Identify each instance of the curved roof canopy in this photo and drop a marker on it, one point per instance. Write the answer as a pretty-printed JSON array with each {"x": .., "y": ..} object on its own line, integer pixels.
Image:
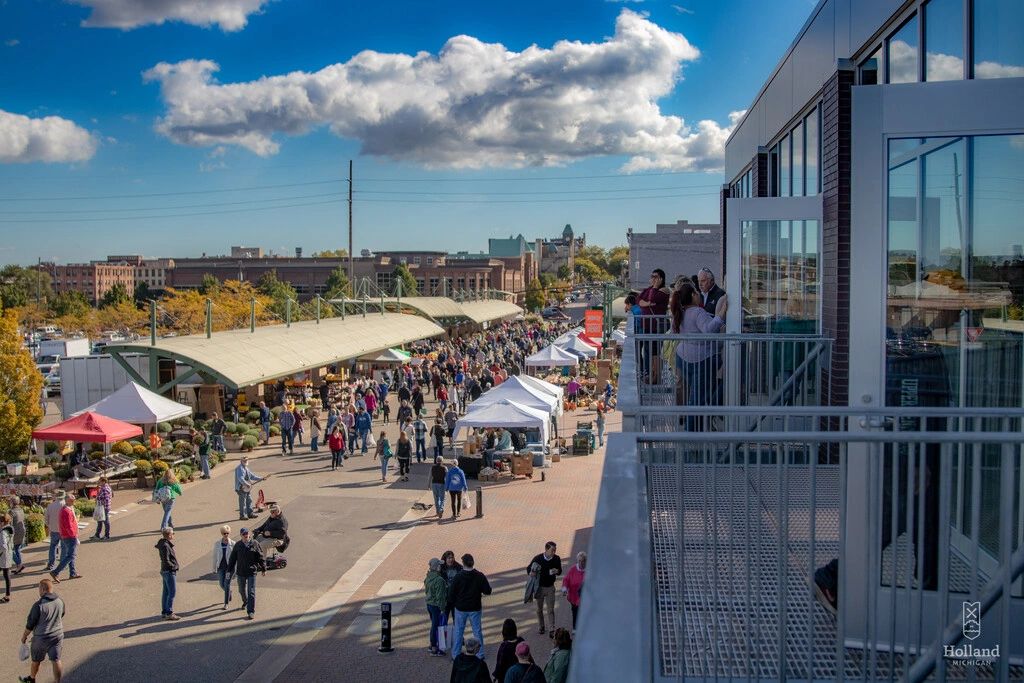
[
  {"x": 489, "y": 309},
  {"x": 431, "y": 306},
  {"x": 240, "y": 358}
]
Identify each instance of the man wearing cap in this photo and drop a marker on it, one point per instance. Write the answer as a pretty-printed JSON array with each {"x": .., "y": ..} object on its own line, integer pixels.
[
  {"x": 524, "y": 670},
  {"x": 53, "y": 526},
  {"x": 244, "y": 479},
  {"x": 465, "y": 597},
  {"x": 273, "y": 533},
  {"x": 247, "y": 559}
]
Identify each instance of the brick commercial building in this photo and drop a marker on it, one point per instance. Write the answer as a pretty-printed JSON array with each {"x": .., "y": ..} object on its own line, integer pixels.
[
  {"x": 677, "y": 248},
  {"x": 93, "y": 279},
  {"x": 887, "y": 146}
]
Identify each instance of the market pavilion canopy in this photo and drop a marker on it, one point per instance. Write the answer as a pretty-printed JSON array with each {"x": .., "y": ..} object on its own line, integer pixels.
[
  {"x": 442, "y": 309},
  {"x": 490, "y": 309},
  {"x": 240, "y": 358}
]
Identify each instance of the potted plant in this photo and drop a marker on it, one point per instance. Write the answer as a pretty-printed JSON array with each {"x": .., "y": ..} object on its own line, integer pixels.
[{"x": 143, "y": 469}]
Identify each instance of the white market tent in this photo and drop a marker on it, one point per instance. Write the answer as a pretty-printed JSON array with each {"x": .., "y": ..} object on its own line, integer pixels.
[
  {"x": 618, "y": 336},
  {"x": 544, "y": 386},
  {"x": 138, "y": 405},
  {"x": 387, "y": 356},
  {"x": 551, "y": 356},
  {"x": 506, "y": 413},
  {"x": 579, "y": 346},
  {"x": 516, "y": 390}
]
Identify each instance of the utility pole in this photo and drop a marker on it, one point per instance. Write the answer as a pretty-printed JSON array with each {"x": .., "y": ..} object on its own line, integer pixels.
[{"x": 351, "y": 268}]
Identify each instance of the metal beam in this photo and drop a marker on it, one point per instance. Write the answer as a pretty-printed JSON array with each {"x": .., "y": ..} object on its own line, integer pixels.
[
  {"x": 132, "y": 372},
  {"x": 176, "y": 381}
]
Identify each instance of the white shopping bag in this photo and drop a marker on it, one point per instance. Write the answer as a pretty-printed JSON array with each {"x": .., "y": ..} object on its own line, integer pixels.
[
  {"x": 442, "y": 638},
  {"x": 466, "y": 503},
  {"x": 23, "y": 652}
]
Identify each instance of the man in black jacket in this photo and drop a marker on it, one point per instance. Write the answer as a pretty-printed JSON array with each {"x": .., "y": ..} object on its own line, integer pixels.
[
  {"x": 273, "y": 533},
  {"x": 247, "y": 559},
  {"x": 169, "y": 574},
  {"x": 465, "y": 596},
  {"x": 546, "y": 567}
]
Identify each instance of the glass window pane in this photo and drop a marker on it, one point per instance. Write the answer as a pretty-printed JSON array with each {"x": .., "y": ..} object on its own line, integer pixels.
[
  {"x": 998, "y": 47},
  {"x": 811, "y": 153},
  {"x": 901, "y": 57},
  {"x": 773, "y": 164},
  {"x": 784, "y": 167},
  {"x": 869, "y": 68},
  {"x": 798, "y": 160},
  {"x": 944, "y": 40},
  {"x": 779, "y": 276}
]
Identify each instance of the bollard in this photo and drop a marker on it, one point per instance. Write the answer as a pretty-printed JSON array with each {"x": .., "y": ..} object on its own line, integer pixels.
[
  {"x": 543, "y": 475},
  {"x": 479, "y": 502},
  {"x": 385, "y": 628}
]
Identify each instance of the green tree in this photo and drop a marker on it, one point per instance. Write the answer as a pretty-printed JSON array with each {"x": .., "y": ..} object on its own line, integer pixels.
[
  {"x": 588, "y": 271},
  {"x": 118, "y": 294},
  {"x": 401, "y": 273},
  {"x": 331, "y": 253},
  {"x": 546, "y": 280},
  {"x": 20, "y": 286},
  {"x": 69, "y": 303},
  {"x": 210, "y": 285},
  {"x": 615, "y": 258},
  {"x": 535, "y": 296},
  {"x": 337, "y": 284},
  {"x": 20, "y": 388},
  {"x": 279, "y": 292},
  {"x": 142, "y": 294},
  {"x": 564, "y": 272}
]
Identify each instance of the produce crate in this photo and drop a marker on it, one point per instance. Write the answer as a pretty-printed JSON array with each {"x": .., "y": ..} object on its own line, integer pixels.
[{"x": 522, "y": 465}]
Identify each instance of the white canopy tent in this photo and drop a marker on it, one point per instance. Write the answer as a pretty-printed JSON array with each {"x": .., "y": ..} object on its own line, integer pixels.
[
  {"x": 579, "y": 346},
  {"x": 138, "y": 405},
  {"x": 550, "y": 357},
  {"x": 547, "y": 387},
  {"x": 515, "y": 389},
  {"x": 505, "y": 413},
  {"x": 618, "y": 336}
]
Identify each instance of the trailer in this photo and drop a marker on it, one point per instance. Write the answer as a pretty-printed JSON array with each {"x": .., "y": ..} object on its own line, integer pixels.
[{"x": 88, "y": 379}]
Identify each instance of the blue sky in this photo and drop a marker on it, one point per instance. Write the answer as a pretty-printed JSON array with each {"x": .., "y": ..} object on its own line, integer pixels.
[{"x": 449, "y": 150}]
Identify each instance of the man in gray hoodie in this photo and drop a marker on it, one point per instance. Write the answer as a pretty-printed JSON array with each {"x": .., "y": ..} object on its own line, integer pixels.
[{"x": 45, "y": 625}]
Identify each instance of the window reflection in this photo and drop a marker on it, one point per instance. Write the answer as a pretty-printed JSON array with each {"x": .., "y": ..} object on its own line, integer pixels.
[
  {"x": 901, "y": 57},
  {"x": 956, "y": 274},
  {"x": 998, "y": 47},
  {"x": 798, "y": 160},
  {"x": 780, "y": 276},
  {"x": 812, "y": 152},
  {"x": 944, "y": 40}
]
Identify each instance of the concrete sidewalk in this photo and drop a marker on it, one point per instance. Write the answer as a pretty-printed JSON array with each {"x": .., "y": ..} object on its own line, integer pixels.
[{"x": 518, "y": 518}]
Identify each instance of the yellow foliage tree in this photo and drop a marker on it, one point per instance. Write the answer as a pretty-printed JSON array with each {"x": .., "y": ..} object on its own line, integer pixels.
[
  {"x": 124, "y": 316},
  {"x": 21, "y": 386}
]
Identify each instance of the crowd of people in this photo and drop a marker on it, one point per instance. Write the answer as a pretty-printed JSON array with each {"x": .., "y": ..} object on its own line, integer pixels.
[
  {"x": 453, "y": 373},
  {"x": 454, "y": 595}
]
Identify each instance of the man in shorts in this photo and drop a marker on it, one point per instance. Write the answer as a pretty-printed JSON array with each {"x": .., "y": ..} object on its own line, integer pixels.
[{"x": 46, "y": 627}]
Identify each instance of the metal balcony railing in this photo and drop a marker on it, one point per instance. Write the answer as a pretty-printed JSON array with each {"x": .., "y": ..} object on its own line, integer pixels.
[{"x": 736, "y": 524}]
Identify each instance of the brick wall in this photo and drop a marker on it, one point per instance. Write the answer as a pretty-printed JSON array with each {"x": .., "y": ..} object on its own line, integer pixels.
[{"x": 835, "y": 246}]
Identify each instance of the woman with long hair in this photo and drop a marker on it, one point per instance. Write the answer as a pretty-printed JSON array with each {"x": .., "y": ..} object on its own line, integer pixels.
[
  {"x": 404, "y": 456},
  {"x": 689, "y": 317},
  {"x": 170, "y": 482}
]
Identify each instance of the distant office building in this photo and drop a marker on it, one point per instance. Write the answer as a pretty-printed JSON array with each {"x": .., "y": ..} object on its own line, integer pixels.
[
  {"x": 679, "y": 248},
  {"x": 93, "y": 279}
]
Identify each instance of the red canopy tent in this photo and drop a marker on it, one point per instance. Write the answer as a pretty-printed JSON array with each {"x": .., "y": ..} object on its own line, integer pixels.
[
  {"x": 587, "y": 340},
  {"x": 89, "y": 427}
]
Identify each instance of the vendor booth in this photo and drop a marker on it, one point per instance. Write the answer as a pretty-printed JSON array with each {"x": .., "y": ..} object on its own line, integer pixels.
[
  {"x": 576, "y": 345},
  {"x": 506, "y": 413},
  {"x": 518, "y": 391},
  {"x": 90, "y": 427},
  {"x": 137, "y": 405},
  {"x": 551, "y": 357}
]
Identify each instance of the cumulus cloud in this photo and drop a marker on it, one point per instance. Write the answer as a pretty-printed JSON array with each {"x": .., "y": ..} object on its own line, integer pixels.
[
  {"x": 472, "y": 105},
  {"x": 230, "y": 15},
  {"x": 48, "y": 139}
]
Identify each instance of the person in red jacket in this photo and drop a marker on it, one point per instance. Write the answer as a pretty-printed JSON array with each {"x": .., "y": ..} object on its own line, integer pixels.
[
  {"x": 336, "y": 442},
  {"x": 68, "y": 540}
]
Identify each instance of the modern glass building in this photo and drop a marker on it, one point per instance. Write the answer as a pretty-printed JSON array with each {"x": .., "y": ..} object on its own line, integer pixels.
[{"x": 862, "y": 415}]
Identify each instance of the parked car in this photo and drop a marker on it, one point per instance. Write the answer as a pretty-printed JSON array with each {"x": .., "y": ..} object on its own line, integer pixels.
[
  {"x": 52, "y": 380},
  {"x": 554, "y": 313}
]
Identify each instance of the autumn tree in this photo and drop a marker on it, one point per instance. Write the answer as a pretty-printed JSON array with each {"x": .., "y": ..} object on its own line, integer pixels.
[
  {"x": 279, "y": 292},
  {"x": 331, "y": 253},
  {"x": 69, "y": 303},
  {"x": 208, "y": 285},
  {"x": 337, "y": 284},
  {"x": 21, "y": 386},
  {"x": 123, "y": 316}
]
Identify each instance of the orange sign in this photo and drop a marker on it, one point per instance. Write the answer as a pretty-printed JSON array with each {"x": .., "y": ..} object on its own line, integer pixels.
[{"x": 593, "y": 323}]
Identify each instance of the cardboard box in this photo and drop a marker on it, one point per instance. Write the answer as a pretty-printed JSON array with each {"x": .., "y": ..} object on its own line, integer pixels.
[{"x": 522, "y": 465}]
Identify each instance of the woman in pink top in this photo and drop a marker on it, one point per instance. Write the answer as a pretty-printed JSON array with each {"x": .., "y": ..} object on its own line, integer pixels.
[{"x": 572, "y": 584}]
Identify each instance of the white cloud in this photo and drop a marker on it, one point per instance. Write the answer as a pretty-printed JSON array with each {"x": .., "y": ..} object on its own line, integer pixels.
[
  {"x": 48, "y": 139},
  {"x": 940, "y": 66},
  {"x": 472, "y": 105},
  {"x": 230, "y": 15},
  {"x": 12, "y": 42},
  {"x": 682, "y": 10}
]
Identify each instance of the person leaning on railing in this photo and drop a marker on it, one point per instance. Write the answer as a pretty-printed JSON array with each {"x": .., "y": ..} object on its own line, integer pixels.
[
  {"x": 697, "y": 357},
  {"x": 652, "y": 301}
]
